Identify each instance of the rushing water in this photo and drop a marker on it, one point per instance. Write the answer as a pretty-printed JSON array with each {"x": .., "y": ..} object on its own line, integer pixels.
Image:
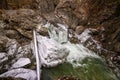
[{"x": 80, "y": 62}]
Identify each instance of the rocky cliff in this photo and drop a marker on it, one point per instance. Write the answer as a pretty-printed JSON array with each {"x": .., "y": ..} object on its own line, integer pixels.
[{"x": 21, "y": 16}]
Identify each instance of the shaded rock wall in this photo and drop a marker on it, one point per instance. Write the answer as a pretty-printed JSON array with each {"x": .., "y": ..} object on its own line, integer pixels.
[
  {"x": 15, "y": 4},
  {"x": 100, "y": 14},
  {"x": 103, "y": 15},
  {"x": 3, "y": 4}
]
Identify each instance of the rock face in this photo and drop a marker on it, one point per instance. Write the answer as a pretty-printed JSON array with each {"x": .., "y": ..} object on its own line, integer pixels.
[
  {"x": 3, "y": 4},
  {"x": 111, "y": 34},
  {"x": 15, "y": 4},
  {"x": 90, "y": 13},
  {"x": 20, "y": 23},
  {"x": 3, "y": 42},
  {"x": 3, "y": 58},
  {"x": 46, "y": 5},
  {"x": 86, "y": 13},
  {"x": 79, "y": 29},
  {"x": 102, "y": 15}
]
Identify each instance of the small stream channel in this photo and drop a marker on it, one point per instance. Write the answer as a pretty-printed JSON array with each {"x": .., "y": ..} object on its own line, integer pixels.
[{"x": 80, "y": 62}]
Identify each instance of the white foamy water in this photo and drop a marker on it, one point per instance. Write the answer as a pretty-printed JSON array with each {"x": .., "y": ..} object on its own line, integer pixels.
[
  {"x": 77, "y": 53},
  {"x": 54, "y": 50}
]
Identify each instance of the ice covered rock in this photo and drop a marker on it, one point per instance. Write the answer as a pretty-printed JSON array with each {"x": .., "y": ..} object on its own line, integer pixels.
[
  {"x": 21, "y": 63},
  {"x": 21, "y": 73}
]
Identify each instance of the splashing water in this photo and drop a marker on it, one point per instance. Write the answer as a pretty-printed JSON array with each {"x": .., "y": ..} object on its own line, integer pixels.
[{"x": 80, "y": 62}]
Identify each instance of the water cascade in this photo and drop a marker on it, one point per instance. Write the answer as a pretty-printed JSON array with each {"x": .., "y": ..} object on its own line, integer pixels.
[{"x": 74, "y": 59}]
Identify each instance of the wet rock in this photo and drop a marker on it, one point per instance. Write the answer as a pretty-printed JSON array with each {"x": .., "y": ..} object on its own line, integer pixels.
[
  {"x": 85, "y": 12},
  {"x": 84, "y": 36},
  {"x": 43, "y": 31},
  {"x": 2, "y": 24},
  {"x": 21, "y": 20},
  {"x": 24, "y": 51},
  {"x": 94, "y": 31},
  {"x": 12, "y": 46},
  {"x": 15, "y": 56},
  {"x": 3, "y": 57},
  {"x": 46, "y": 6},
  {"x": 117, "y": 47},
  {"x": 112, "y": 59},
  {"x": 74, "y": 40},
  {"x": 3, "y": 42},
  {"x": 115, "y": 59},
  {"x": 22, "y": 62},
  {"x": 79, "y": 29},
  {"x": 111, "y": 35},
  {"x": 3, "y": 4},
  {"x": 20, "y": 4},
  {"x": 20, "y": 73},
  {"x": 12, "y": 34},
  {"x": 65, "y": 11}
]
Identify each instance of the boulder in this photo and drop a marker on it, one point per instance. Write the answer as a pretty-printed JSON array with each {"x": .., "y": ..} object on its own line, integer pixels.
[
  {"x": 79, "y": 29},
  {"x": 12, "y": 46},
  {"x": 3, "y": 58},
  {"x": 51, "y": 52},
  {"x": 3, "y": 4},
  {"x": 43, "y": 31},
  {"x": 12, "y": 34},
  {"x": 21, "y": 20},
  {"x": 22, "y": 62},
  {"x": 3, "y": 42}
]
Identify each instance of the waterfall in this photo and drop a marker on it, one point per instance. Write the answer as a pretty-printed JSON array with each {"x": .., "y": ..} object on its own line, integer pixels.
[{"x": 56, "y": 49}]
